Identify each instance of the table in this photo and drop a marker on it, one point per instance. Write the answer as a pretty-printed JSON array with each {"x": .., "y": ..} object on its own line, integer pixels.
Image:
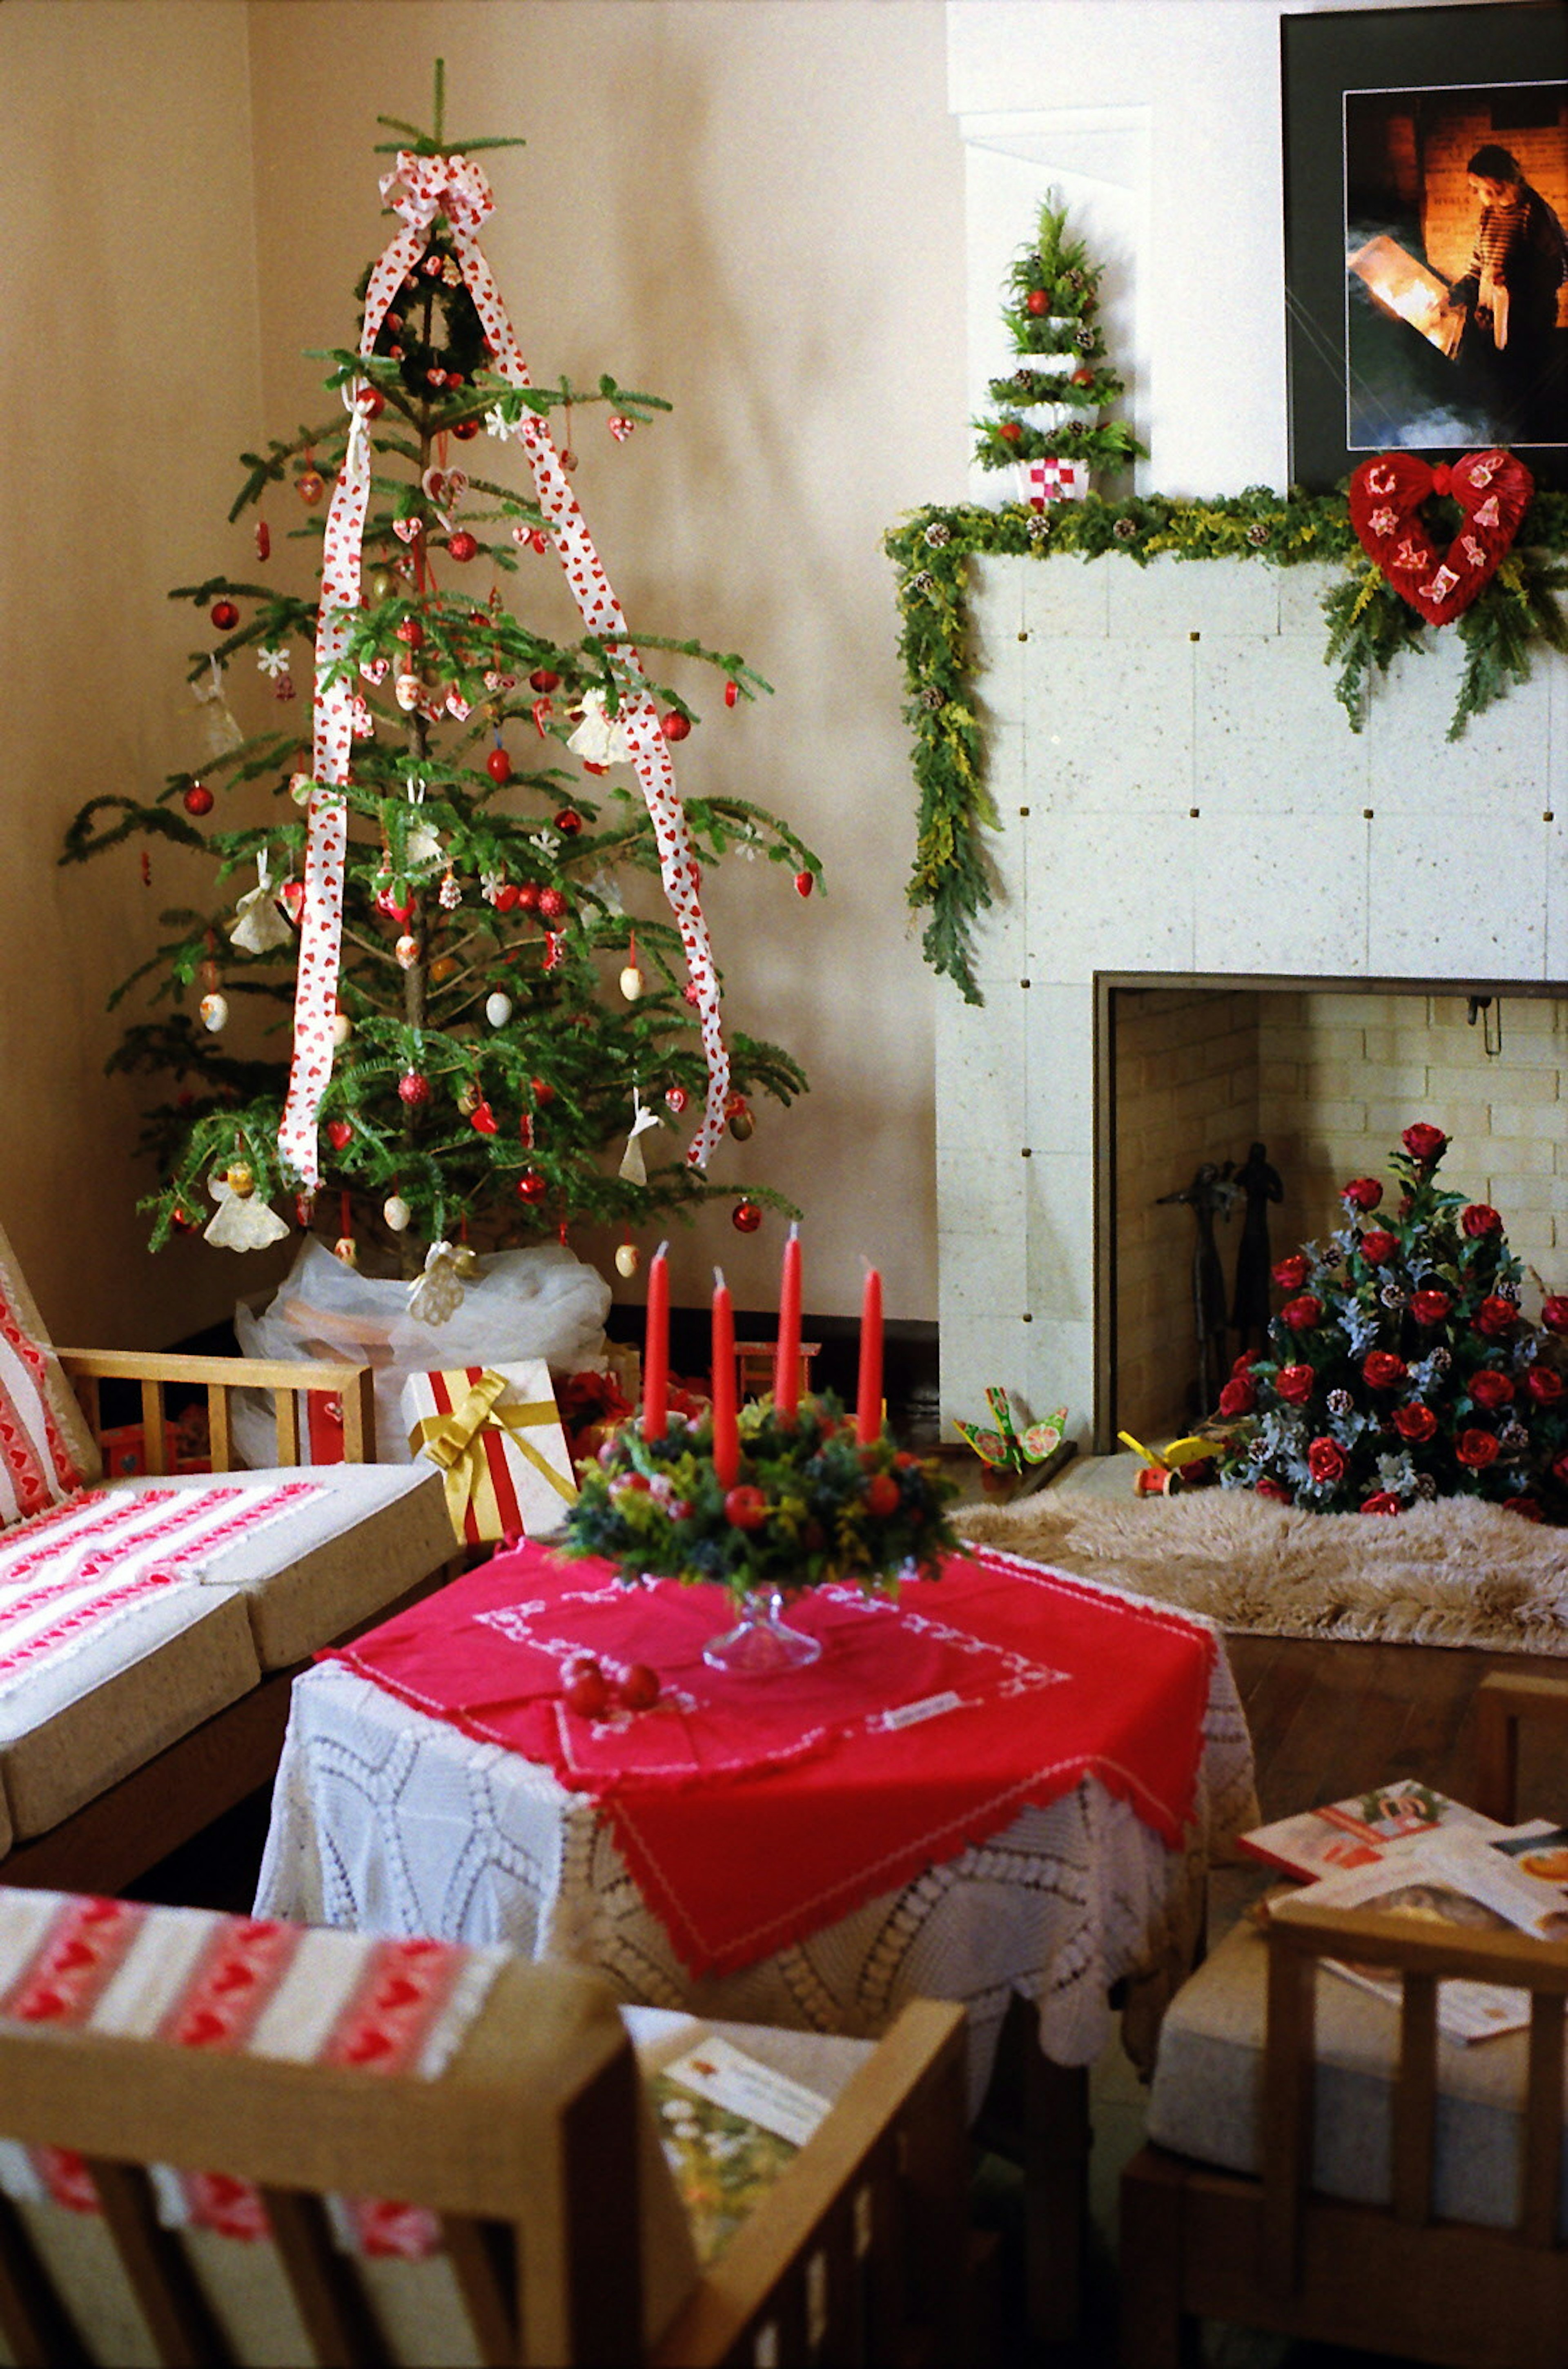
[{"x": 387, "y": 1820}]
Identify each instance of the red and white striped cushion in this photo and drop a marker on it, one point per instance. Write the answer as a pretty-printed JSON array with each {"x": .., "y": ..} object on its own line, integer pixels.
[{"x": 45, "y": 1451}]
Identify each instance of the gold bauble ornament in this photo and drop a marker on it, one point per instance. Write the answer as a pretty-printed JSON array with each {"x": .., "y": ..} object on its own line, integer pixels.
[{"x": 628, "y": 1258}]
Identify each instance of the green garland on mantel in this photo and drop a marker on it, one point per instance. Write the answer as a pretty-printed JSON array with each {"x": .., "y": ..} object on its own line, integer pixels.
[{"x": 1367, "y": 625}]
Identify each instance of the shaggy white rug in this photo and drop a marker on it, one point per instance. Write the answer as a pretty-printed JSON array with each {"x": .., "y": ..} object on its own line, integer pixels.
[{"x": 1456, "y": 1572}]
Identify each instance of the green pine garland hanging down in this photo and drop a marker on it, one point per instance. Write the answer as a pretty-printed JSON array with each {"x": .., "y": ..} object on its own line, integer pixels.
[{"x": 1368, "y": 623}]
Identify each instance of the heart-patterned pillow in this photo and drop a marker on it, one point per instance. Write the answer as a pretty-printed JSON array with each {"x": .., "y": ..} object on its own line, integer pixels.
[{"x": 1492, "y": 488}]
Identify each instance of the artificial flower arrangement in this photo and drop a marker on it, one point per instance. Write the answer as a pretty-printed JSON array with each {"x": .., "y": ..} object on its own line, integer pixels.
[
  {"x": 810, "y": 1503},
  {"x": 1401, "y": 1367}
]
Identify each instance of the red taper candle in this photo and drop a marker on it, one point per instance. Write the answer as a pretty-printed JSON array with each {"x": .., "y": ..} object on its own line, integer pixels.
[
  {"x": 786, "y": 1359},
  {"x": 726, "y": 1432},
  {"x": 656, "y": 1349},
  {"x": 868, "y": 1405}
]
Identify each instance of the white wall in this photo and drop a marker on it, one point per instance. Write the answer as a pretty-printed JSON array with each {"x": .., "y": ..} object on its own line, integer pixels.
[{"x": 1158, "y": 121}]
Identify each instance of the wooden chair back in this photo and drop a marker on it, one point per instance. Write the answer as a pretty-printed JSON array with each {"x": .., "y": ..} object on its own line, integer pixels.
[
  {"x": 353, "y": 1386},
  {"x": 527, "y": 2148},
  {"x": 1418, "y": 1955}
]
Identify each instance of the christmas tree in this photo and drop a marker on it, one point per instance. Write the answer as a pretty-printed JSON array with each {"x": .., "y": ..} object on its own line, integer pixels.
[
  {"x": 1052, "y": 406},
  {"x": 1402, "y": 1366},
  {"x": 438, "y": 985}
]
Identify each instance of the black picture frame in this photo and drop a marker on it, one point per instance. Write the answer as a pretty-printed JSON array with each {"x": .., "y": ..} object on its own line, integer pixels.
[{"x": 1364, "y": 95}]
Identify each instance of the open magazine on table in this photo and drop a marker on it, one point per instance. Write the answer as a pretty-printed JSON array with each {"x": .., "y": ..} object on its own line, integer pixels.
[
  {"x": 1506, "y": 1878},
  {"x": 1362, "y": 1830}
]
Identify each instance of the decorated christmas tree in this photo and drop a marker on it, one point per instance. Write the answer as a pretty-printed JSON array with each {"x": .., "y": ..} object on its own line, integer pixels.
[
  {"x": 1402, "y": 1366},
  {"x": 1052, "y": 406},
  {"x": 439, "y": 1009}
]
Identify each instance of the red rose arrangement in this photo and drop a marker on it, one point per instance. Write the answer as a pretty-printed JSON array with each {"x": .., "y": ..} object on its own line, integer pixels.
[{"x": 1400, "y": 1366}]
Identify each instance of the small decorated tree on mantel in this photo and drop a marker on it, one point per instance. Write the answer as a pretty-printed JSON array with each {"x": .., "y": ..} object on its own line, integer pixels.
[
  {"x": 470, "y": 1031},
  {"x": 1051, "y": 422},
  {"x": 1402, "y": 1366}
]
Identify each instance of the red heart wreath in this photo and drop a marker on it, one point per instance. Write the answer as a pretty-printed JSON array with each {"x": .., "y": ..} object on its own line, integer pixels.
[{"x": 1492, "y": 488}]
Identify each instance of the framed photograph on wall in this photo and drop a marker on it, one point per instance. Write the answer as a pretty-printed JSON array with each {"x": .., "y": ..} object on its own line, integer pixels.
[{"x": 1425, "y": 257}]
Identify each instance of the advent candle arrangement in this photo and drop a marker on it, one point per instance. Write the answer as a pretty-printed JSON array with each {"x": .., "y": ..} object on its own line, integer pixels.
[{"x": 767, "y": 1498}]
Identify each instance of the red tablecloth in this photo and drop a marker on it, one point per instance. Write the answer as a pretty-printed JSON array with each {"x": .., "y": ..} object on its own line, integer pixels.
[{"x": 752, "y": 1811}]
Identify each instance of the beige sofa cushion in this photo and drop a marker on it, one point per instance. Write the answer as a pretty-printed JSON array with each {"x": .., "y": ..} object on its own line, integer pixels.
[
  {"x": 343, "y": 1556},
  {"x": 79, "y": 1723},
  {"x": 1206, "y": 2098}
]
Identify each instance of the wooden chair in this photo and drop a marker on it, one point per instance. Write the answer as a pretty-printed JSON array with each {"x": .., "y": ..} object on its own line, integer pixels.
[
  {"x": 1325, "y": 2167},
  {"x": 555, "y": 2214}
]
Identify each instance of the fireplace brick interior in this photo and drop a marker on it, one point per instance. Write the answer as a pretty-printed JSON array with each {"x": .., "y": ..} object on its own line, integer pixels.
[{"x": 1328, "y": 1082}]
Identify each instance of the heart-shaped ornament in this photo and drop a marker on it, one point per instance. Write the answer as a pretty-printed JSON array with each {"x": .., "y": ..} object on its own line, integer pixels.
[{"x": 1492, "y": 488}]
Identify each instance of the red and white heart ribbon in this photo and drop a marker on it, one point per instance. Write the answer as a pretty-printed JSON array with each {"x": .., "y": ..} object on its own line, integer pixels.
[{"x": 420, "y": 188}]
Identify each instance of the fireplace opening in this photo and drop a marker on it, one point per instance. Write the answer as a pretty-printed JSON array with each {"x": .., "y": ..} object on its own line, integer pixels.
[{"x": 1192, "y": 1073}]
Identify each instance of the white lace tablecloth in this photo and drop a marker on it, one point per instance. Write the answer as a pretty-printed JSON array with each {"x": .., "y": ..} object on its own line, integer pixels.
[{"x": 386, "y": 1821}]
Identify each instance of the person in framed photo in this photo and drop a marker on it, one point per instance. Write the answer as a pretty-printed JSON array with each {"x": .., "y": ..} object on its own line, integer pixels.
[{"x": 1508, "y": 299}]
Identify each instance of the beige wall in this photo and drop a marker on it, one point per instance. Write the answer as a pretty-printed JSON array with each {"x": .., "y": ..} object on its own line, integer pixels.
[
  {"x": 128, "y": 351},
  {"x": 753, "y": 209}
]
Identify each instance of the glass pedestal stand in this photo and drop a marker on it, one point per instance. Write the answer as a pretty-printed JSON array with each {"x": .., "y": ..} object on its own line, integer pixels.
[{"x": 761, "y": 1640}]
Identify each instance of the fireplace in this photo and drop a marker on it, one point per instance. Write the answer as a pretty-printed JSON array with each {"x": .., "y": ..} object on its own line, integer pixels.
[
  {"x": 1202, "y": 872},
  {"x": 1326, "y": 1075}
]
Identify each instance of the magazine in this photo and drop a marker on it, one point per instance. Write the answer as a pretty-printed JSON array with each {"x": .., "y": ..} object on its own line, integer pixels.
[
  {"x": 1362, "y": 1831},
  {"x": 1455, "y": 1876},
  {"x": 729, "y": 2125}
]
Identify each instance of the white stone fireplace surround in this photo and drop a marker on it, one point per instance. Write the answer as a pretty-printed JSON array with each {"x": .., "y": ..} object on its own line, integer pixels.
[{"x": 1182, "y": 799}]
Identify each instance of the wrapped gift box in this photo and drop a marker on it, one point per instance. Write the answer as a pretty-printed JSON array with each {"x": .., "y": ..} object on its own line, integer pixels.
[{"x": 495, "y": 1432}]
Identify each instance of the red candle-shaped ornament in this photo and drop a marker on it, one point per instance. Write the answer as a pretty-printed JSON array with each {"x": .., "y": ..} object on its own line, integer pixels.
[
  {"x": 786, "y": 1358},
  {"x": 656, "y": 1349},
  {"x": 726, "y": 1433},
  {"x": 868, "y": 1405}
]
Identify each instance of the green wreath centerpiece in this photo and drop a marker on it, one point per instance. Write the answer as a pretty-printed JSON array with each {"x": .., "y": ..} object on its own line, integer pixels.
[{"x": 811, "y": 1505}]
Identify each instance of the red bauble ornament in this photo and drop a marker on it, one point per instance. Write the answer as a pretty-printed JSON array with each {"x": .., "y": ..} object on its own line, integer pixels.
[
  {"x": 462, "y": 545},
  {"x": 482, "y": 1119},
  {"x": 639, "y": 1688},
  {"x": 528, "y": 895},
  {"x": 198, "y": 799},
  {"x": 745, "y": 1508},
  {"x": 675, "y": 727},
  {"x": 746, "y": 1217},
  {"x": 1037, "y": 301},
  {"x": 588, "y": 1691},
  {"x": 568, "y": 821},
  {"x": 731, "y": 694},
  {"x": 498, "y": 764},
  {"x": 413, "y": 1088},
  {"x": 804, "y": 884},
  {"x": 676, "y": 1099},
  {"x": 393, "y": 907},
  {"x": 370, "y": 402},
  {"x": 310, "y": 486},
  {"x": 544, "y": 678},
  {"x": 1084, "y": 376},
  {"x": 507, "y": 897},
  {"x": 552, "y": 904},
  {"x": 225, "y": 616},
  {"x": 689, "y": 994},
  {"x": 1010, "y": 431},
  {"x": 409, "y": 631},
  {"x": 532, "y": 1186},
  {"x": 463, "y": 428}
]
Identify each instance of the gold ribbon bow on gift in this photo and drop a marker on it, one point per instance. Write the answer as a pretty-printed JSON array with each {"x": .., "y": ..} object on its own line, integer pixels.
[{"x": 456, "y": 1443}]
